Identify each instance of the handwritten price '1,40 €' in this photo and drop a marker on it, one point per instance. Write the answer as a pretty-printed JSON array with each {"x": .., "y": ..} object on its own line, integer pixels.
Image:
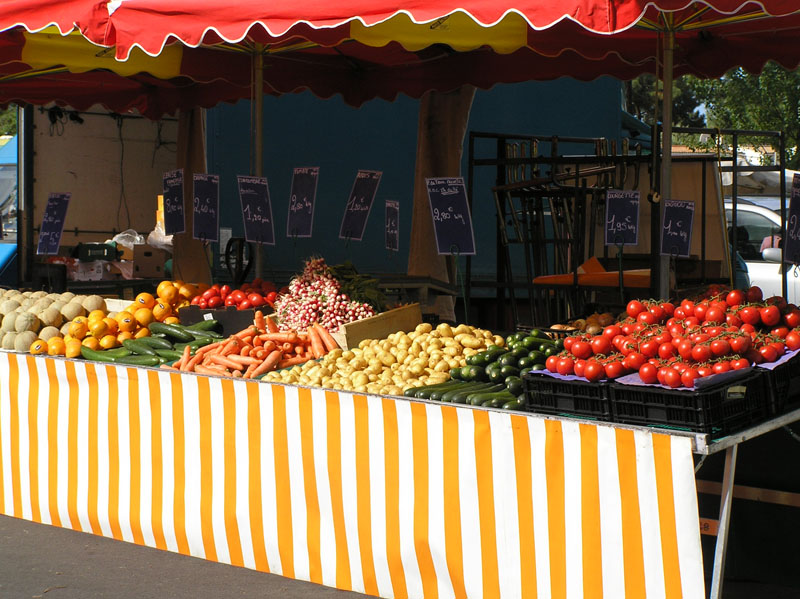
[
  {"x": 677, "y": 231},
  {"x": 446, "y": 215}
]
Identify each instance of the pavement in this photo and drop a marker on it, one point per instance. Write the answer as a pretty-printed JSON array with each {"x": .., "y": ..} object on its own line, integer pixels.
[{"x": 38, "y": 561}]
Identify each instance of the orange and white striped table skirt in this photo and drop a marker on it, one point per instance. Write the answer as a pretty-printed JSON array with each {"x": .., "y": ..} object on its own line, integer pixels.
[{"x": 388, "y": 497}]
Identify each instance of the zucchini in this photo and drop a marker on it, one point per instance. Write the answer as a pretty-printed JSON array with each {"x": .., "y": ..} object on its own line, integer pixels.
[
  {"x": 203, "y": 325},
  {"x": 496, "y": 400},
  {"x": 485, "y": 388},
  {"x": 156, "y": 342},
  {"x": 171, "y": 330},
  {"x": 96, "y": 356},
  {"x": 481, "y": 399},
  {"x": 517, "y": 404},
  {"x": 425, "y": 392},
  {"x": 170, "y": 354},
  {"x": 140, "y": 349},
  {"x": 203, "y": 334},
  {"x": 473, "y": 386},
  {"x": 436, "y": 394},
  {"x": 135, "y": 360}
]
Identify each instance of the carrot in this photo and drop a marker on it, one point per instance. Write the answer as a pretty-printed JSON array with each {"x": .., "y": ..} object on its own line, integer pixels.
[
  {"x": 259, "y": 321},
  {"x": 167, "y": 367},
  {"x": 268, "y": 364},
  {"x": 263, "y": 353},
  {"x": 248, "y": 332},
  {"x": 245, "y": 351},
  {"x": 200, "y": 369},
  {"x": 299, "y": 350},
  {"x": 258, "y": 341},
  {"x": 293, "y": 361},
  {"x": 225, "y": 361},
  {"x": 327, "y": 338},
  {"x": 270, "y": 346},
  {"x": 271, "y": 326},
  {"x": 187, "y": 351},
  {"x": 317, "y": 347},
  {"x": 289, "y": 337},
  {"x": 245, "y": 360},
  {"x": 249, "y": 371},
  {"x": 231, "y": 346},
  {"x": 237, "y": 374}
]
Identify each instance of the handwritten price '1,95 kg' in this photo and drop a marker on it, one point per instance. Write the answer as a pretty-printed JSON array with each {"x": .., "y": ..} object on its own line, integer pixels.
[
  {"x": 449, "y": 214},
  {"x": 620, "y": 226}
]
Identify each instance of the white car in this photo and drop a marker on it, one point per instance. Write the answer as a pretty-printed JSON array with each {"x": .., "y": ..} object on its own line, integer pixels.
[{"x": 755, "y": 224}]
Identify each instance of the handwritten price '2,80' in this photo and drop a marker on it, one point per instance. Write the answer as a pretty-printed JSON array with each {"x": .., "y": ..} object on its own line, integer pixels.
[
  {"x": 445, "y": 215},
  {"x": 302, "y": 205},
  {"x": 677, "y": 231}
]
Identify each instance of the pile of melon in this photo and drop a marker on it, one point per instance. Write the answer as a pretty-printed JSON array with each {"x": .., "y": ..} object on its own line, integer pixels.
[{"x": 28, "y": 316}]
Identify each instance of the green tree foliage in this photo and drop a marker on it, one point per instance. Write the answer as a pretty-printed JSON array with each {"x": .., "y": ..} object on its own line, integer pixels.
[
  {"x": 769, "y": 101},
  {"x": 642, "y": 101},
  {"x": 8, "y": 121}
]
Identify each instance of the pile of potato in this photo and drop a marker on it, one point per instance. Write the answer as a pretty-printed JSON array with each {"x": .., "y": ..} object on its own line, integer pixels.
[{"x": 390, "y": 366}]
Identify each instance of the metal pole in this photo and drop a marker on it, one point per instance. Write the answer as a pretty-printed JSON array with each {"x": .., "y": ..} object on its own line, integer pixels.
[
  {"x": 726, "y": 502},
  {"x": 258, "y": 140},
  {"x": 666, "y": 162}
]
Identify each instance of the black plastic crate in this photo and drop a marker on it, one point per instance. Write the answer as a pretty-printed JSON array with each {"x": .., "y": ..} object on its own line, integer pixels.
[
  {"x": 784, "y": 386},
  {"x": 720, "y": 409},
  {"x": 549, "y": 395}
]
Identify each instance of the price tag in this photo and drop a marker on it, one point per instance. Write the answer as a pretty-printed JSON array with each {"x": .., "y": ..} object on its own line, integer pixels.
[
  {"x": 791, "y": 249},
  {"x": 359, "y": 205},
  {"x": 205, "y": 207},
  {"x": 622, "y": 217},
  {"x": 256, "y": 210},
  {"x": 452, "y": 222},
  {"x": 676, "y": 231},
  {"x": 392, "y": 228},
  {"x": 174, "y": 216},
  {"x": 55, "y": 213},
  {"x": 301, "y": 202}
]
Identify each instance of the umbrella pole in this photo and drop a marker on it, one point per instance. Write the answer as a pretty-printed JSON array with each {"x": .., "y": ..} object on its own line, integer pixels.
[
  {"x": 666, "y": 145},
  {"x": 258, "y": 138}
]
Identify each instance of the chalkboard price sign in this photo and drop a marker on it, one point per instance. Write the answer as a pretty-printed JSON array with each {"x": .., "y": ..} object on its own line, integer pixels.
[
  {"x": 622, "y": 217},
  {"x": 392, "y": 228},
  {"x": 205, "y": 207},
  {"x": 452, "y": 222},
  {"x": 359, "y": 205},
  {"x": 300, "y": 221},
  {"x": 174, "y": 216},
  {"x": 791, "y": 250},
  {"x": 256, "y": 210},
  {"x": 55, "y": 213},
  {"x": 676, "y": 230}
]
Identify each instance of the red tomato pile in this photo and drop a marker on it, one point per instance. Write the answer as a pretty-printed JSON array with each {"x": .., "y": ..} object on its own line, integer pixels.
[
  {"x": 249, "y": 295},
  {"x": 675, "y": 344}
]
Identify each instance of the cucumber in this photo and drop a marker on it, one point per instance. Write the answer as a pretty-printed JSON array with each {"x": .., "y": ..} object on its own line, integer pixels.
[
  {"x": 496, "y": 400},
  {"x": 97, "y": 356},
  {"x": 170, "y": 354},
  {"x": 516, "y": 404},
  {"x": 514, "y": 385},
  {"x": 437, "y": 393},
  {"x": 425, "y": 391},
  {"x": 171, "y": 330},
  {"x": 455, "y": 373},
  {"x": 117, "y": 352},
  {"x": 467, "y": 398},
  {"x": 461, "y": 396},
  {"x": 135, "y": 347},
  {"x": 481, "y": 399},
  {"x": 203, "y": 334},
  {"x": 473, "y": 386},
  {"x": 156, "y": 342},
  {"x": 203, "y": 325},
  {"x": 135, "y": 360}
]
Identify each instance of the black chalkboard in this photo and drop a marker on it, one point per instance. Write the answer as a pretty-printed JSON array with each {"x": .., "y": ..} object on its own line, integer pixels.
[
  {"x": 676, "y": 229},
  {"x": 622, "y": 217},
  {"x": 359, "y": 205},
  {"x": 791, "y": 250},
  {"x": 301, "y": 202},
  {"x": 205, "y": 207},
  {"x": 256, "y": 209},
  {"x": 452, "y": 223},
  {"x": 174, "y": 216},
  {"x": 55, "y": 213},
  {"x": 392, "y": 225}
]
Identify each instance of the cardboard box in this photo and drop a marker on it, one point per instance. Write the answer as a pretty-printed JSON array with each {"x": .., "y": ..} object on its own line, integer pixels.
[
  {"x": 380, "y": 326},
  {"x": 96, "y": 270},
  {"x": 148, "y": 262},
  {"x": 88, "y": 252}
]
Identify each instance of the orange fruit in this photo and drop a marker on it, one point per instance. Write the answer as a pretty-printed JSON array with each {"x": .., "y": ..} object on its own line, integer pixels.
[
  {"x": 145, "y": 300},
  {"x": 68, "y": 337},
  {"x": 187, "y": 291},
  {"x": 123, "y": 336},
  {"x": 38, "y": 347},
  {"x": 98, "y": 328},
  {"x": 178, "y": 282},
  {"x": 96, "y": 315},
  {"x": 144, "y": 316},
  {"x": 123, "y": 314},
  {"x": 78, "y": 328},
  {"x": 171, "y": 320},
  {"x": 201, "y": 287},
  {"x": 168, "y": 295},
  {"x": 163, "y": 285},
  {"x": 108, "y": 342},
  {"x": 73, "y": 348},
  {"x": 127, "y": 324},
  {"x": 56, "y": 346},
  {"x": 91, "y": 343},
  {"x": 161, "y": 311},
  {"x": 113, "y": 325},
  {"x": 80, "y": 319},
  {"x": 143, "y": 332}
]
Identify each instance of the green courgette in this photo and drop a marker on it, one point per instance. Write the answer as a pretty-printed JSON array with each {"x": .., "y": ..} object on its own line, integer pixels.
[
  {"x": 171, "y": 330},
  {"x": 136, "y": 347},
  {"x": 136, "y": 360},
  {"x": 156, "y": 342},
  {"x": 203, "y": 325}
]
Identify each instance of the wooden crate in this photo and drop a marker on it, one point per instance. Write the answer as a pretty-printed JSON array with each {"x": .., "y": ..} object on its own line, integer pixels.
[{"x": 380, "y": 326}]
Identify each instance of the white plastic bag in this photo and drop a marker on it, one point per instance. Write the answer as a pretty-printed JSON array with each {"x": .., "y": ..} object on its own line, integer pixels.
[
  {"x": 128, "y": 238},
  {"x": 159, "y": 239}
]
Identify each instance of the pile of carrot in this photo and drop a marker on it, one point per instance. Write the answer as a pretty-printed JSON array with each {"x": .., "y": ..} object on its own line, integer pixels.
[{"x": 257, "y": 350}]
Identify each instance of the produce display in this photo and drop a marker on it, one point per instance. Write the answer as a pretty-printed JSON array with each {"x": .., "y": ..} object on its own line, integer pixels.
[
  {"x": 674, "y": 344},
  {"x": 249, "y": 295}
]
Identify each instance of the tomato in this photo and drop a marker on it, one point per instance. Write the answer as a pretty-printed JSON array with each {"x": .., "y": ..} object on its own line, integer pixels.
[
  {"x": 691, "y": 321},
  {"x": 601, "y": 345},
  {"x": 700, "y": 311},
  {"x": 750, "y": 315},
  {"x": 195, "y": 300},
  {"x": 612, "y": 331},
  {"x": 668, "y": 307},
  {"x": 793, "y": 341},
  {"x": 754, "y": 356},
  {"x": 565, "y": 366},
  {"x": 666, "y": 351},
  {"x": 704, "y": 370},
  {"x": 551, "y": 363},
  {"x": 720, "y": 347},
  {"x": 657, "y": 311},
  {"x": 732, "y": 320},
  {"x": 792, "y": 318},
  {"x": 715, "y": 315},
  {"x": 679, "y": 313},
  {"x": 689, "y": 376},
  {"x": 770, "y": 315},
  {"x": 685, "y": 349},
  {"x": 701, "y": 353},
  {"x": 202, "y": 304},
  {"x": 777, "y": 301},
  {"x": 647, "y": 372},
  {"x": 754, "y": 294},
  {"x": 238, "y": 296},
  {"x": 614, "y": 369},
  {"x": 634, "y": 308},
  {"x": 740, "y": 363},
  {"x": 680, "y": 366},
  {"x": 687, "y": 306},
  {"x": 271, "y": 297},
  {"x": 580, "y": 366},
  {"x": 634, "y": 361},
  {"x": 581, "y": 350},
  {"x": 713, "y": 331},
  {"x": 225, "y": 290},
  {"x": 740, "y": 345},
  {"x": 215, "y": 286},
  {"x": 735, "y": 297},
  {"x": 672, "y": 378},
  {"x": 594, "y": 370},
  {"x": 214, "y": 302},
  {"x": 569, "y": 341},
  {"x": 768, "y": 353},
  {"x": 646, "y": 317},
  {"x": 649, "y": 348},
  {"x": 699, "y": 337},
  {"x": 747, "y": 328},
  {"x": 779, "y": 332},
  {"x": 676, "y": 330},
  {"x": 229, "y": 301},
  {"x": 721, "y": 367},
  {"x": 720, "y": 305},
  {"x": 255, "y": 299},
  {"x": 245, "y": 305},
  {"x": 779, "y": 347},
  {"x": 209, "y": 293},
  {"x": 627, "y": 328}
]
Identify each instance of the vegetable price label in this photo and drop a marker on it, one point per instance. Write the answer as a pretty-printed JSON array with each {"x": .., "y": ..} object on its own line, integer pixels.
[
  {"x": 359, "y": 205},
  {"x": 676, "y": 230},
  {"x": 622, "y": 217},
  {"x": 301, "y": 202},
  {"x": 55, "y": 213},
  {"x": 452, "y": 222},
  {"x": 256, "y": 210},
  {"x": 392, "y": 228},
  {"x": 174, "y": 217},
  {"x": 205, "y": 207},
  {"x": 791, "y": 250}
]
